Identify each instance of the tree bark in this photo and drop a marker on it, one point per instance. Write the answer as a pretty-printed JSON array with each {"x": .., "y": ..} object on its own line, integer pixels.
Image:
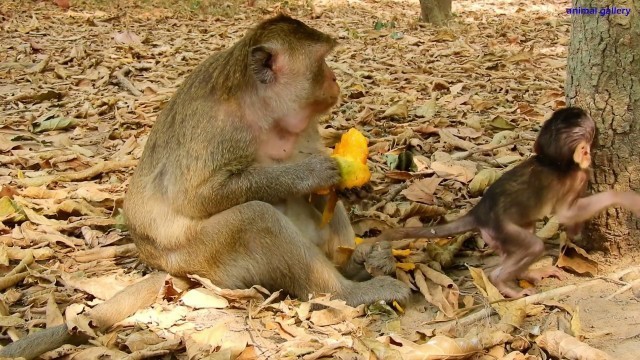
[
  {"x": 603, "y": 77},
  {"x": 436, "y": 12}
]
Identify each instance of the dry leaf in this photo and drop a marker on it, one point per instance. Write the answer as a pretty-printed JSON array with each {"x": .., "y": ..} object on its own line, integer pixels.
[
  {"x": 398, "y": 110},
  {"x": 511, "y": 313},
  {"x": 101, "y": 287},
  {"x": 422, "y": 190},
  {"x": 63, "y": 3},
  {"x": 53, "y": 314},
  {"x": 127, "y": 37},
  {"x": 462, "y": 171},
  {"x": 428, "y": 110},
  {"x": 482, "y": 180},
  {"x": 576, "y": 259},
  {"x": 204, "y": 298},
  {"x": 561, "y": 345},
  {"x": 438, "y": 347}
]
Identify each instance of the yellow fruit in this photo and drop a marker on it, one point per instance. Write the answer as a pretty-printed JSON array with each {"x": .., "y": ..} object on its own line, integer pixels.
[
  {"x": 351, "y": 153},
  {"x": 352, "y": 145},
  {"x": 353, "y": 173}
]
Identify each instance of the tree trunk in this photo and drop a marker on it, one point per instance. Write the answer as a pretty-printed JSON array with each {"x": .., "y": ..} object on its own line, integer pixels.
[
  {"x": 436, "y": 12},
  {"x": 603, "y": 77}
]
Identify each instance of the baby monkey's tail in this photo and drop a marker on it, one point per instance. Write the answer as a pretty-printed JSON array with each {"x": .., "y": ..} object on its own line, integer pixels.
[{"x": 463, "y": 224}]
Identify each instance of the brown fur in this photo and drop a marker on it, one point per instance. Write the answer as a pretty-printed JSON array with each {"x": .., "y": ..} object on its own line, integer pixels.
[
  {"x": 222, "y": 187},
  {"x": 553, "y": 181}
]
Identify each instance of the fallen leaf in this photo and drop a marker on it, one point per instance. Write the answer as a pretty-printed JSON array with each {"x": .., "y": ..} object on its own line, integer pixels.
[
  {"x": 59, "y": 123},
  {"x": 576, "y": 259},
  {"x": 64, "y": 4},
  {"x": 127, "y": 37},
  {"x": 422, "y": 190},
  {"x": 462, "y": 171},
  {"x": 500, "y": 123},
  {"x": 398, "y": 110},
  {"x": 561, "y": 345},
  {"x": 428, "y": 110},
  {"x": 482, "y": 180},
  {"x": 204, "y": 298}
]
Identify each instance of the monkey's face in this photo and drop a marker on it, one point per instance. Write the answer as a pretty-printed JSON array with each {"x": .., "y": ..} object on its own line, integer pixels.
[{"x": 325, "y": 90}]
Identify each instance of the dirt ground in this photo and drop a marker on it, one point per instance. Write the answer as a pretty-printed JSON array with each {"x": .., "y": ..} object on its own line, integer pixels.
[{"x": 81, "y": 87}]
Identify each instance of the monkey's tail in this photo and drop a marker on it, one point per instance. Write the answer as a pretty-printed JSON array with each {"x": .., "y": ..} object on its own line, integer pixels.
[{"x": 463, "y": 224}]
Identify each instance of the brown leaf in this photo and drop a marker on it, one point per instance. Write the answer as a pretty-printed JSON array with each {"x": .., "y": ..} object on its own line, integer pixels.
[
  {"x": 459, "y": 101},
  {"x": 127, "y": 37},
  {"x": 204, "y": 298},
  {"x": 399, "y": 110},
  {"x": 398, "y": 175},
  {"x": 576, "y": 259},
  {"x": 53, "y": 314},
  {"x": 65, "y": 4},
  {"x": 422, "y": 190}
]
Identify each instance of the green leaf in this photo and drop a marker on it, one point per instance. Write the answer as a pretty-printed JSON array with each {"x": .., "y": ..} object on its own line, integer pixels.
[
  {"x": 500, "y": 123},
  {"x": 121, "y": 223},
  {"x": 396, "y": 35},
  {"x": 57, "y": 123},
  {"x": 391, "y": 160}
]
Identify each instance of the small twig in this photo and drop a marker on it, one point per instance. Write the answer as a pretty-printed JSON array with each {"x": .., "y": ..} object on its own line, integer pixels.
[
  {"x": 268, "y": 301},
  {"x": 121, "y": 76},
  {"x": 624, "y": 288},
  {"x": 390, "y": 196},
  {"x": 109, "y": 252},
  {"x": 614, "y": 281},
  {"x": 448, "y": 137},
  {"x": 103, "y": 167},
  {"x": 480, "y": 149}
]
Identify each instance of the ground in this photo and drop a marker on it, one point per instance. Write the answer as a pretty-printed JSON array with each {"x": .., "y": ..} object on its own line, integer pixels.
[{"x": 81, "y": 88}]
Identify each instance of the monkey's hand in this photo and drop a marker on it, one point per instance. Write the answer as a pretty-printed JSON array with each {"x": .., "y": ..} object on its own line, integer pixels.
[{"x": 320, "y": 172}]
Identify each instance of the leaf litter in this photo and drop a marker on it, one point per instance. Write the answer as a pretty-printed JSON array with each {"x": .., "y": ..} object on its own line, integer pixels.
[{"x": 446, "y": 111}]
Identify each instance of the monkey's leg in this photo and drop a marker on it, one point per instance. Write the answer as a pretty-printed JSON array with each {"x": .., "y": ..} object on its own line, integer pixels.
[
  {"x": 272, "y": 252},
  {"x": 519, "y": 249},
  {"x": 378, "y": 258},
  {"x": 587, "y": 207}
]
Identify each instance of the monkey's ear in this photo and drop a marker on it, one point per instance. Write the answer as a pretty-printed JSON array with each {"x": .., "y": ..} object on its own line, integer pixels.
[
  {"x": 582, "y": 155},
  {"x": 262, "y": 62},
  {"x": 536, "y": 147}
]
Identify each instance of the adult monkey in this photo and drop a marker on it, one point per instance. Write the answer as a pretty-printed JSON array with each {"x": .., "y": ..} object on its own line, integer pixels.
[{"x": 222, "y": 188}]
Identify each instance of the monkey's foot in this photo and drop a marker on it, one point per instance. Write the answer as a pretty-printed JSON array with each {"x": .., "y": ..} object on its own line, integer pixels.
[
  {"x": 536, "y": 275},
  {"x": 506, "y": 290},
  {"x": 527, "y": 292},
  {"x": 383, "y": 288},
  {"x": 509, "y": 292}
]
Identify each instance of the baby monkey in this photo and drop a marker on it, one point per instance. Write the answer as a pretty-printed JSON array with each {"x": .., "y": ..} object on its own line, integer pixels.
[{"x": 552, "y": 182}]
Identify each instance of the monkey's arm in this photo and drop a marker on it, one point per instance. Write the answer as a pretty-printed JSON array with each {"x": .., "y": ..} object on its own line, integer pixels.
[
  {"x": 587, "y": 207},
  {"x": 271, "y": 184}
]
